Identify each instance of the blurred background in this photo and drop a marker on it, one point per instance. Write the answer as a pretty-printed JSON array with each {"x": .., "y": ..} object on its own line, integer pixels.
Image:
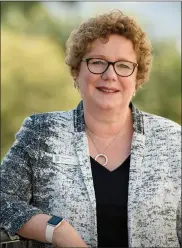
[{"x": 35, "y": 78}]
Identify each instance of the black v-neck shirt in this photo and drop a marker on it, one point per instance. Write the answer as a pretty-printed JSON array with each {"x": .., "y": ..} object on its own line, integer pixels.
[{"x": 111, "y": 190}]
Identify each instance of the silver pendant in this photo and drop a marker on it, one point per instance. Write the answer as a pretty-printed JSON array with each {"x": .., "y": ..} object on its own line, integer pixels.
[{"x": 104, "y": 156}]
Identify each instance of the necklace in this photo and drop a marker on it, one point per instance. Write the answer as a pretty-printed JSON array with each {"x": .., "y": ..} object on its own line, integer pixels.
[{"x": 102, "y": 155}]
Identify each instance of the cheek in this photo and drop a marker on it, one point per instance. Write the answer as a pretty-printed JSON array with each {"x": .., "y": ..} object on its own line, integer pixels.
[
  {"x": 91, "y": 78},
  {"x": 86, "y": 83},
  {"x": 128, "y": 83},
  {"x": 88, "y": 80}
]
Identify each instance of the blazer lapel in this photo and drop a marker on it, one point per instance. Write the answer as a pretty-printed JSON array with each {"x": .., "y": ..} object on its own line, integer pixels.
[
  {"x": 137, "y": 153},
  {"x": 81, "y": 146}
]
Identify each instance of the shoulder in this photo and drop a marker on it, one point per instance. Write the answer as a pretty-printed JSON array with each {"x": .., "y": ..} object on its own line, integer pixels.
[
  {"x": 49, "y": 117},
  {"x": 47, "y": 120},
  {"x": 159, "y": 124}
]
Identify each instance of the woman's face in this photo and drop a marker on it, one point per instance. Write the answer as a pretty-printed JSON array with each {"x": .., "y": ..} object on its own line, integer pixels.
[{"x": 108, "y": 90}]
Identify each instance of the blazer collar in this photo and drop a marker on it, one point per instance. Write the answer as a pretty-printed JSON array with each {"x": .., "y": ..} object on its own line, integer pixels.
[{"x": 79, "y": 121}]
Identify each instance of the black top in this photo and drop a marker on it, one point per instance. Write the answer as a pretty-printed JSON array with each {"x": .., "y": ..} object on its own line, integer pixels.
[{"x": 111, "y": 190}]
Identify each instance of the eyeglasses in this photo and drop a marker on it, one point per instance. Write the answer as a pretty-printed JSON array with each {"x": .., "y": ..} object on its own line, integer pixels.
[{"x": 121, "y": 67}]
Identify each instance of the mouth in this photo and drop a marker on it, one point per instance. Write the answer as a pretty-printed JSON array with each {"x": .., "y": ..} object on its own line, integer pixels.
[{"x": 107, "y": 90}]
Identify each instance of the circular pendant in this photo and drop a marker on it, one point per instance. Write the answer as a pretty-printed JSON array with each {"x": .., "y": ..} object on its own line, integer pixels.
[{"x": 104, "y": 156}]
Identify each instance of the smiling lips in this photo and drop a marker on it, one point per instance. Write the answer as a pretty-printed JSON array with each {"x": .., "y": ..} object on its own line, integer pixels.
[{"x": 107, "y": 90}]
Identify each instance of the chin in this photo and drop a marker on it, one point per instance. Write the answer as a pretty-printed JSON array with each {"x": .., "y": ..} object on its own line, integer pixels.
[{"x": 108, "y": 105}]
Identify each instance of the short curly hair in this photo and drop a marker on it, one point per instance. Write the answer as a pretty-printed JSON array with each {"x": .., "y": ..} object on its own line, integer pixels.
[{"x": 102, "y": 26}]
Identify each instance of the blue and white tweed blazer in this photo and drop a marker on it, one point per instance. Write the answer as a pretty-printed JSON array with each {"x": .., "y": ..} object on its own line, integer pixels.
[{"x": 47, "y": 170}]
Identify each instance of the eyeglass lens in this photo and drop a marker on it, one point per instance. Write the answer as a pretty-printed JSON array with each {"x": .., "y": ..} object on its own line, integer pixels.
[{"x": 122, "y": 68}]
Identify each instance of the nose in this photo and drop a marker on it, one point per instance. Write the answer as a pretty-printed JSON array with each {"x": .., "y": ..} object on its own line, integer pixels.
[{"x": 110, "y": 74}]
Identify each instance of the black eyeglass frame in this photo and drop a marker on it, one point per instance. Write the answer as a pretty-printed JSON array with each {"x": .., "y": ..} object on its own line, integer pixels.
[{"x": 110, "y": 63}]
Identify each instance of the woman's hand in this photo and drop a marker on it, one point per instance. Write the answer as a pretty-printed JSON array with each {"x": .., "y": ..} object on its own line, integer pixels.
[{"x": 66, "y": 236}]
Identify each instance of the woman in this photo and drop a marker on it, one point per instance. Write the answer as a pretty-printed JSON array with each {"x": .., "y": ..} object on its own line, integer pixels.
[{"x": 105, "y": 173}]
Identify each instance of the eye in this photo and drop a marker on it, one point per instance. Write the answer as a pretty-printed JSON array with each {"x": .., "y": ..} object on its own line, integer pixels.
[
  {"x": 124, "y": 65},
  {"x": 97, "y": 62},
  {"x": 121, "y": 65}
]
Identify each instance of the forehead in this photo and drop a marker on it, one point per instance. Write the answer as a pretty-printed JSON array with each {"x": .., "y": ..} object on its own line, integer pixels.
[{"x": 114, "y": 48}]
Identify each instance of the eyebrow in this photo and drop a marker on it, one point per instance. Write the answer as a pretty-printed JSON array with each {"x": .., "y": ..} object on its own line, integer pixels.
[{"x": 102, "y": 56}]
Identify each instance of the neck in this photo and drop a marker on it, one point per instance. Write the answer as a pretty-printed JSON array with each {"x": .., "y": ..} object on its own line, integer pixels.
[{"x": 108, "y": 123}]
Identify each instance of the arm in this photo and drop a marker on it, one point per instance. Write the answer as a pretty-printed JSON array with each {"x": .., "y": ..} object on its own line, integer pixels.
[
  {"x": 35, "y": 228},
  {"x": 63, "y": 236},
  {"x": 17, "y": 214},
  {"x": 16, "y": 180}
]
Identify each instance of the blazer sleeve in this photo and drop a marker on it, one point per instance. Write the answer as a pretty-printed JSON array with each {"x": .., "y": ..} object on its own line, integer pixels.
[{"x": 16, "y": 179}]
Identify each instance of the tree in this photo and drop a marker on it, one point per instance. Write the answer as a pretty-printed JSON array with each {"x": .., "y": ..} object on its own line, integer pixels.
[{"x": 161, "y": 95}]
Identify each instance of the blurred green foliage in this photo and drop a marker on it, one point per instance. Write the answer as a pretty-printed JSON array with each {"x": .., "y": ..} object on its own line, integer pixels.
[{"x": 35, "y": 78}]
